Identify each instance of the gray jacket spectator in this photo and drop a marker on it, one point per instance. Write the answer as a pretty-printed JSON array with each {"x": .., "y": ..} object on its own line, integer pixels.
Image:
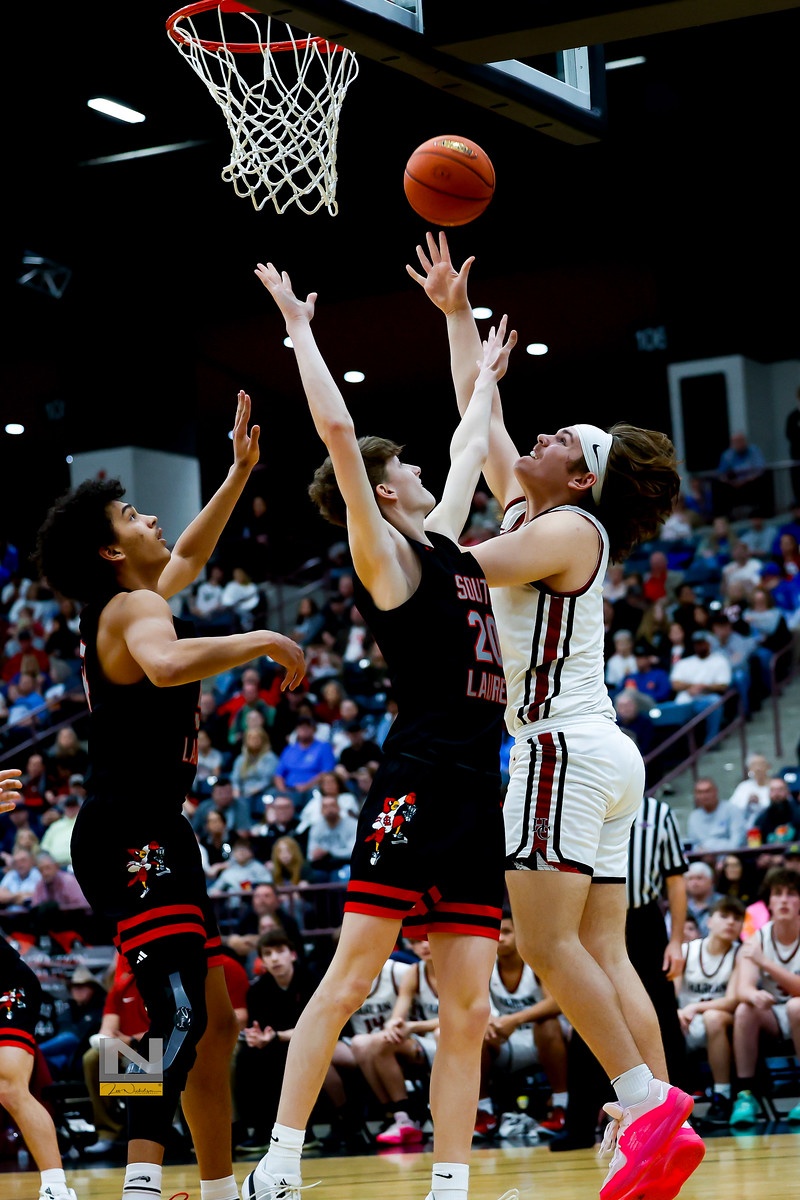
[
  {"x": 236, "y": 812},
  {"x": 713, "y": 824},
  {"x": 700, "y": 894},
  {"x": 331, "y": 839}
]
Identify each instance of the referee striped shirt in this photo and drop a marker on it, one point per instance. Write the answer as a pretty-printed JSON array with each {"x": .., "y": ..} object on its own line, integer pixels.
[{"x": 654, "y": 852}]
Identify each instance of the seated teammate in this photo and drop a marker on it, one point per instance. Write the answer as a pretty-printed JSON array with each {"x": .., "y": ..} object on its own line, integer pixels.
[
  {"x": 769, "y": 990},
  {"x": 407, "y": 1035},
  {"x": 524, "y": 1029},
  {"x": 707, "y": 997}
]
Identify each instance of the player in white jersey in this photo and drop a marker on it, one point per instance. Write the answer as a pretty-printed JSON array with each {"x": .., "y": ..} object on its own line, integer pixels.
[
  {"x": 707, "y": 997},
  {"x": 769, "y": 990},
  {"x": 581, "y": 496},
  {"x": 408, "y": 1035},
  {"x": 524, "y": 1029},
  {"x": 379, "y": 1004}
]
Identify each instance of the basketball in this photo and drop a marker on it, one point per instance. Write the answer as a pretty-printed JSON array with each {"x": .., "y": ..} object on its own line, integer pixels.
[{"x": 449, "y": 180}]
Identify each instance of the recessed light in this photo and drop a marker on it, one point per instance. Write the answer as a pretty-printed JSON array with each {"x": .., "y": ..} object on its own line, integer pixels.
[
  {"x": 537, "y": 348},
  {"x": 70, "y": 458},
  {"x": 481, "y": 313},
  {"x": 14, "y": 429},
  {"x": 616, "y": 63},
  {"x": 354, "y": 376},
  {"x": 120, "y": 112},
  {"x": 288, "y": 343}
]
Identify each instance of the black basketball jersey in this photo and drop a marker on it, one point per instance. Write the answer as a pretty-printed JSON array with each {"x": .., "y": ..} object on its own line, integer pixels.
[
  {"x": 443, "y": 655},
  {"x": 142, "y": 738}
]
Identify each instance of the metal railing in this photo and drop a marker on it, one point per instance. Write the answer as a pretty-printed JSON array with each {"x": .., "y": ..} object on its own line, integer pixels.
[
  {"x": 777, "y": 687},
  {"x": 697, "y": 752}
]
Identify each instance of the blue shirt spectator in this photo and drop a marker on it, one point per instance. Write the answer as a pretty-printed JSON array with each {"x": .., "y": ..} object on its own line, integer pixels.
[
  {"x": 652, "y": 681},
  {"x": 301, "y": 763}
]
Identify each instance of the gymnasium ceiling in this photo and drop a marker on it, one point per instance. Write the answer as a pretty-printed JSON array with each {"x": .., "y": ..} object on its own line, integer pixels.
[{"x": 683, "y": 216}]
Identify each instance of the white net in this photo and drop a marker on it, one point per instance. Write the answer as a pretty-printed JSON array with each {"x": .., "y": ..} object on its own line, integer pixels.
[{"x": 283, "y": 124}]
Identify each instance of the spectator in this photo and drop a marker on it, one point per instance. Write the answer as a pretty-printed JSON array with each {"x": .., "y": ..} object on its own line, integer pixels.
[
  {"x": 654, "y": 629},
  {"x": 249, "y": 700},
  {"x": 677, "y": 646},
  {"x": 659, "y": 581},
  {"x": 789, "y": 559},
  {"x": 235, "y": 812},
  {"x": 683, "y": 610},
  {"x": 308, "y": 622},
  {"x": 707, "y": 998},
  {"x": 58, "y": 836},
  {"x": 732, "y": 879},
  {"x": 213, "y": 722},
  {"x": 713, "y": 824},
  {"x": 361, "y": 752},
  {"x": 209, "y": 761},
  {"x": 57, "y": 887},
  {"x": 17, "y": 885},
  {"x": 253, "y": 770},
  {"x": 615, "y": 584},
  {"x": 792, "y": 526},
  {"x": 300, "y": 765},
  {"x": 780, "y": 821},
  {"x": 328, "y": 710},
  {"x": 770, "y": 630},
  {"x": 698, "y": 501},
  {"x": 214, "y": 840},
  {"x": 741, "y": 470},
  {"x": 241, "y": 595},
  {"x": 699, "y": 680},
  {"x": 622, "y": 661},
  {"x": 207, "y": 605},
  {"x": 769, "y": 991},
  {"x": 281, "y": 821},
  {"x": 330, "y": 784},
  {"x": 678, "y": 525},
  {"x": 637, "y": 724},
  {"x": 738, "y": 650},
  {"x": 757, "y": 537},
  {"x": 265, "y": 901},
  {"x": 274, "y": 1004},
  {"x": 82, "y": 1018},
  {"x": 648, "y": 679},
  {"x": 69, "y": 753},
  {"x": 751, "y": 796},
  {"x": 288, "y": 864},
  {"x": 27, "y": 710},
  {"x": 22, "y": 659},
  {"x": 700, "y": 895},
  {"x": 17, "y": 820},
  {"x": 691, "y": 930},
  {"x": 241, "y": 872},
  {"x": 743, "y": 568},
  {"x": 330, "y": 842},
  {"x": 37, "y": 783}
]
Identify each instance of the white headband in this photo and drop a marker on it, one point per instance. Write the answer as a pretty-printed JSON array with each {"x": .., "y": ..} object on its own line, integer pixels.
[{"x": 596, "y": 445}]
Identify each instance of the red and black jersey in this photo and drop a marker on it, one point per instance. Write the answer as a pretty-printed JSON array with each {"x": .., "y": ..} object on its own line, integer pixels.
[
  {"x": 141, "y": 737},
  {"x": 443, "y": 655}
]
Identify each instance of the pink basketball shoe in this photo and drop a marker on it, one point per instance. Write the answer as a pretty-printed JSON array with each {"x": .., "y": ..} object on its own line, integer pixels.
[{"x": 640, "y": 1134}]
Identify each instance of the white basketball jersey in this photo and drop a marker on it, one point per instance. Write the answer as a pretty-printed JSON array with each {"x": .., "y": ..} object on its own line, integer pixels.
[
  {"x": 503, "y": 1002},
  {"x": 705, "y": 976},
  {"x": 780, "y": 954},
  {"x": 552, "y": 643},
  {"x": 379, "y": 1004},
  {"x": 426, "y": 1002}
]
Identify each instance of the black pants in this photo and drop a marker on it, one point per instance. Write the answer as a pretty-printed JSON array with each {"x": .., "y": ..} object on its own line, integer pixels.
[
  {"x": 589, "y": 1087},
  {"x": 258, "y": 1082}
]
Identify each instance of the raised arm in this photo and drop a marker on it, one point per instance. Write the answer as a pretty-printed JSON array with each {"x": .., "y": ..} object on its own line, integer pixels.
[
  {"x": 470, "y": 444},
  {"x": 447, "y": 289},
  {"x": 196, "y": 544},
  {"x": 373, "y": 542},
  {"x": 143, "y": 621}
]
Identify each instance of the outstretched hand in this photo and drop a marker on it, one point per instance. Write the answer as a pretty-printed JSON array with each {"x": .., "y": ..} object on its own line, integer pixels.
[
  {"x": 496, "y": 349},
  {"x": 442, "y": 283},
  {"x": 245, "y": 445},
  {"x": 9, "y": 788},
  {"x": 279, "y": 285}
]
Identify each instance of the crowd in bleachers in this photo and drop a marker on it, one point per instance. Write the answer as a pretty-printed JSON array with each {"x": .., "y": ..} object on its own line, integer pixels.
[{"x": 280, "y": 782}]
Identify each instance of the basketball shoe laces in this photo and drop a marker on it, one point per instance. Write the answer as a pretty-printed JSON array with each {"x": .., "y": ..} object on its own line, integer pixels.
[
  {"x": 613, "y": 1132},
  {"x": 285, "y": 1191}
]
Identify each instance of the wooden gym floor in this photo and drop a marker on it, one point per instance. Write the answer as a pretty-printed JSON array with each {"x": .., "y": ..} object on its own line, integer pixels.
[{"x": 745, "y": 1167}]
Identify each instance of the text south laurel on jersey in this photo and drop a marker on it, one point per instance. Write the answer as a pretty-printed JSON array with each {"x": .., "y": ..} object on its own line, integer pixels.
[{"x": 482, "y": 682}]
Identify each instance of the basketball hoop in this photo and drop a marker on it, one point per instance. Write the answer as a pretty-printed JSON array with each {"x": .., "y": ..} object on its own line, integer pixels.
[{"x": 284, "y": 124}]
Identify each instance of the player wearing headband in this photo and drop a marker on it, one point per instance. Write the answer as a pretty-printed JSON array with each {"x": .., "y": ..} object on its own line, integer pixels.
[{"x": 583, "y": 496}]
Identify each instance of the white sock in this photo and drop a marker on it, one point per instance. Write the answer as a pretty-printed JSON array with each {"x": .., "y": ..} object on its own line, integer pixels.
[
  {"x": 219, "y": 1189},
  {"x": 55, "y": 1180},
  {"x": 283, "y": 1156},
  {"x": 142, "y": 1181},
  {"x": 560, "y": 1099},
  {"x": 485, "y": 1104},
  {"x": 450, "y": 1179},
  {"x": 631, "y": 1086},
  {"x": 401, "y": 1117}
]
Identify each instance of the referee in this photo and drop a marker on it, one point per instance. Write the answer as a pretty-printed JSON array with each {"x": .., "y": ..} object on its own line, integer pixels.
[{"x": 655, "y": 862}]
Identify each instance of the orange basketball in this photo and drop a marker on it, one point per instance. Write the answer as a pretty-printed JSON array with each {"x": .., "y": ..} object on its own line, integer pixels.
[{"x": 449, "y": 180}]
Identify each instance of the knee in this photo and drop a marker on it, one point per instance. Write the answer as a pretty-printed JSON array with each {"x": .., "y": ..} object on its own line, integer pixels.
[
  {"x": 222, "y": 1027},
  {"x": 715, "y": 1020},
  {"x": 793, "y": 1010},
  {"x": 548, "y": 1032},
  {"x": 467, "y": 1020},
  {"x": 744, "y": 1017},
  {"x": 362, "y": 1046},
  {"x": 11, "y": 1092},
  {"x": 346, "y": 994}
]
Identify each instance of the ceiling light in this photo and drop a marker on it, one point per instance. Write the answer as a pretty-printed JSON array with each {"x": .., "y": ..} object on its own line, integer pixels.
[
  {"x": 120, "y": 112},
  {"x": 70, "y": 458},
  {"x": 288, "y": 343},
  {"x": 14, "y": 429},
  {"x": 481, "y": 314},
  {"x": 615, "y": 63},
  {"x": 537, "y": 348},
  {"x": 354, "y": 376}
]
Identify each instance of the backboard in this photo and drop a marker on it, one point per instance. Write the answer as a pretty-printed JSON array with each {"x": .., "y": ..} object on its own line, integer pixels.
[{"x": 459, "y": 49}]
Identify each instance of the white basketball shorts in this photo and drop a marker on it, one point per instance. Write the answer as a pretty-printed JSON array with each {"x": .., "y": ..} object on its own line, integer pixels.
[{"x": 571, "y": 800}]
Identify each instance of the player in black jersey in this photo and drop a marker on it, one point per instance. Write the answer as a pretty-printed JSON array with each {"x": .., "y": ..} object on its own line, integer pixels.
[
  {"x": 133, "y": 852},
  {"x": 429, "y": 843}
]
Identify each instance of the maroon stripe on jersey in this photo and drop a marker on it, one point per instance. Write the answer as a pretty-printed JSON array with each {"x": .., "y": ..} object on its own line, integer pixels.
[
  {"x": 544, "y": 794},
  {"x": 552, "y": 637},
  {"x": 564, "y": 655},
  {"x": 526, "y": 814},
  {"x": 511, "y": 503},
  {"x": 153, "y": 935},
  {"x": 167, "y": 910},
  {"x": 18, "y": 1038},
  {"x": 537, "y": 629}
]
